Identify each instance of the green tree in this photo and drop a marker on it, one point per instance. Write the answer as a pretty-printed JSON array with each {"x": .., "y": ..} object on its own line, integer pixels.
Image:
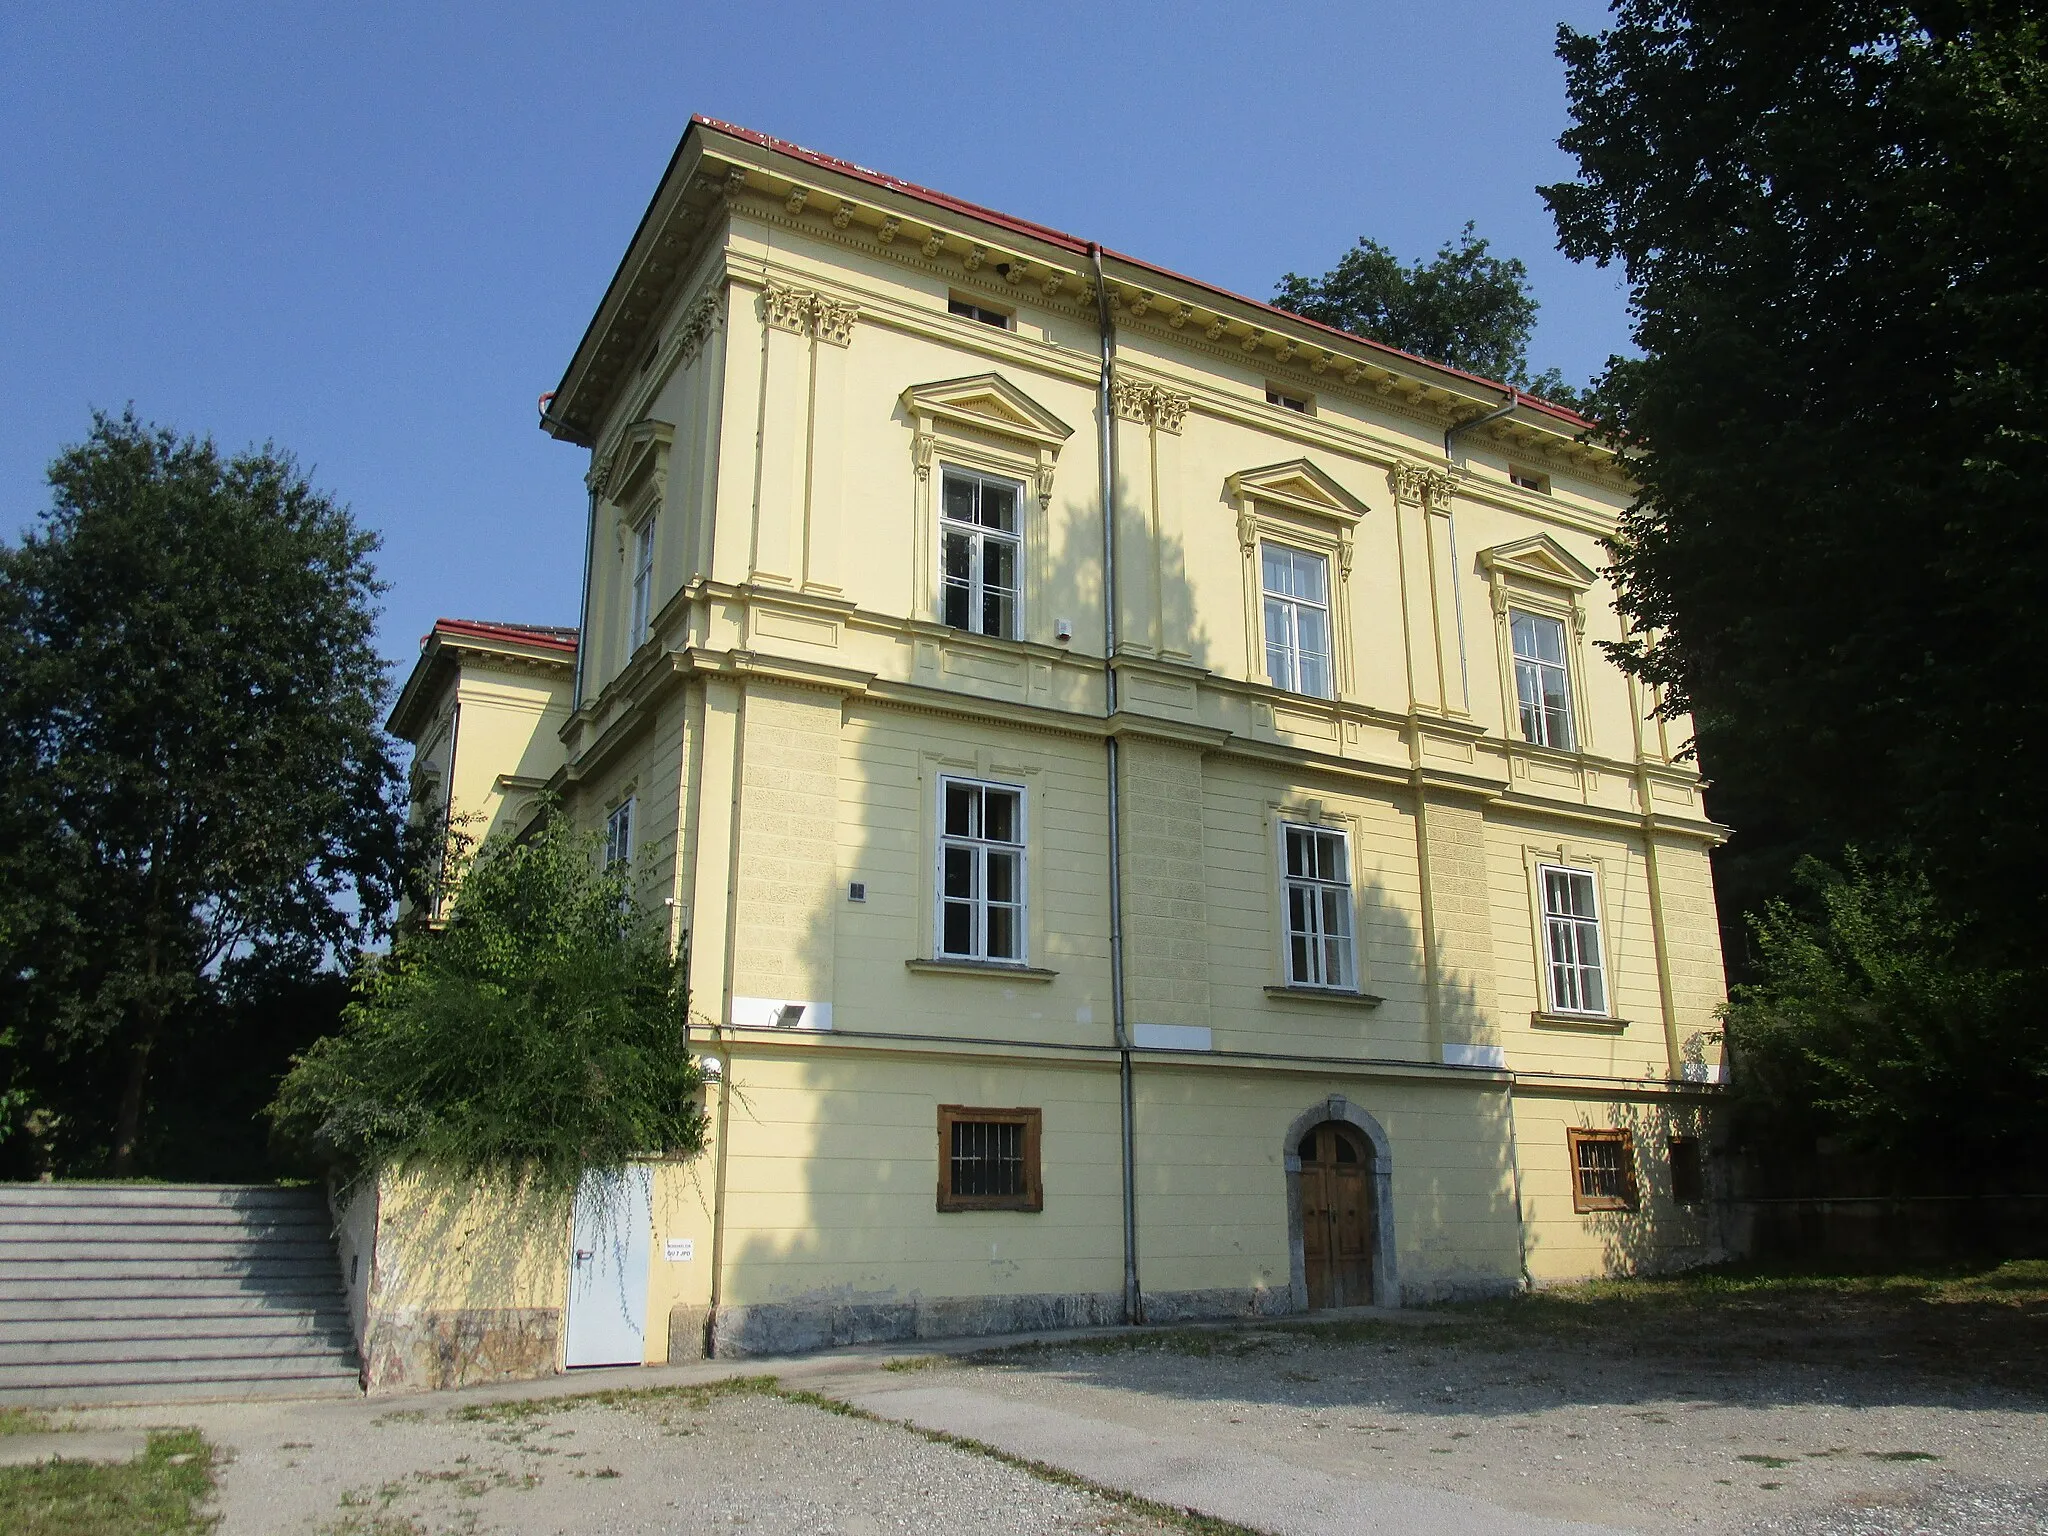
[
  {"x": 540, "y": 1032},
  {"x": 1467, "y": 308},
  {"x": 1833, "y": 220},
  {"x": 1868, "y": 1021},
  {"x": 193, "y": 774}
]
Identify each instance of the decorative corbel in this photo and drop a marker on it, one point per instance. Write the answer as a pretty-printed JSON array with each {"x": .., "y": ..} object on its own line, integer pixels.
[
  {"x": 735, "y": 181},
  {"x": 922, "y": 447},
  {"x": 1215, "y": 331},
  {"x": 1251, "y": 342},
  {"x": 1044, "y": 481},
  {"x": 974, "y": 258},
  {"x": 1354, "y": 373},
  {"x": 1182, "y": 316},
  {"x": 1247, "y": 529},
  {"x": 887, "y": 233},
  {"x": 1052, "y": 283},
  {"x": 795, "y": 201},
  {"x": 1286, "y": 352},
  {"x": 934, "y": 242},
  {"x": 1321, "y": 365},
  {"x": 1140, "y": 304},
  {"x": 1345, "y": 549},
  {"x": 843, "y": 215}
]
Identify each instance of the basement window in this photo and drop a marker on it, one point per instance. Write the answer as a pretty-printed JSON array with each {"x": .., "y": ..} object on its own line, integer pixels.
[
  {"x": 1603, "y": 1170},
  {"x": 967, "y": 309},
  {"x": 988, "y": 1159},
  {"x": 1529, "y": 480},
  {"x": 1288, "y": 401},
  {"x": 1688, "y": 1171}
]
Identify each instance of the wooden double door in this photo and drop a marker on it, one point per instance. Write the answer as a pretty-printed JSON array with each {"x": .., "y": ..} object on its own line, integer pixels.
[{"x": 1337, "y": 1219}]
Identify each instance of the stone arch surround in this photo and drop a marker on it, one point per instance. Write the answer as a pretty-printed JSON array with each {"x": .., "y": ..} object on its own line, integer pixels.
[{"x": 1386, "y": 1281}]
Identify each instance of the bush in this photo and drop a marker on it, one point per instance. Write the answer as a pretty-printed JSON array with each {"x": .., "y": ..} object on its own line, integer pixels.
[
  {"x": 1872, "y": 1022},
  {"x": 539, "y": 1033}
]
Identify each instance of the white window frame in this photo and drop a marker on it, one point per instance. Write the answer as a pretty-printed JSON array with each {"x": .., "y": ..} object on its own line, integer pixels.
[
  {"x": 618, "y": 832},
  {"x": 1291, "y": 608},
  {"x": 1569, "y": 936},
  {"x": 1538, "y": 669},
  {"x": 980, "y": 847},
  {"x": 643, "y": 585},
  {"x": 979, "y": 537},
  {"x": 1320, "y": 889}
]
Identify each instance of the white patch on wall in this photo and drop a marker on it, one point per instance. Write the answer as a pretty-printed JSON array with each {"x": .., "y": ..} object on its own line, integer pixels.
[
  {"x": 679, "y": 1250},
  {"x": 1172, "y": 1037},
  {"x": 780, "y": 1013},
  {"x": 1703, "y": 1072},
  {"x": 1494, "y": 1056},
  {"x": 1084, "y": 1015}
]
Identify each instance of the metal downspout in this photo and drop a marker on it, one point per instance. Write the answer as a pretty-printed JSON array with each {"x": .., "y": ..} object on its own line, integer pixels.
[
  {"x": 583, "y": 602},
  {"x": 1134, "y": 1309}
]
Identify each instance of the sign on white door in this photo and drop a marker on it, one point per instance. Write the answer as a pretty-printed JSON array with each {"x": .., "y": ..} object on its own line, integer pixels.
[{"x": 610, "y": 1235}]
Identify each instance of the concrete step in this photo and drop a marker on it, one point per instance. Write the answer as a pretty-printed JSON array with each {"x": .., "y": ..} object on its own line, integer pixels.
[
  {"x": 89, "y": 1373},
  {"x": 143, "y": 1287},
  {"x": 321, "y": 1325},
  {"x": 58, "y": 1270},
  {"x": 193, "y": 1391},
  {"x": 158, "y": 1302},
  {"x": 220, "y": 1197},
  {"x": 183, "y": 1223},
  {"x": 115, "y": 1246},
  {"x": 319, "y": 1349}
]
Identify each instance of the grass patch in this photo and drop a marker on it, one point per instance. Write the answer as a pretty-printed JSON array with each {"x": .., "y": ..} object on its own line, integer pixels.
[
  {"x": 24, "y": 1421},
  {"x": 1773, "y": 1462},
  {"x": 1902, "y": 1455},
  {"x": 916, "y": 1363},
  {"x": 162, "y": 1492}
]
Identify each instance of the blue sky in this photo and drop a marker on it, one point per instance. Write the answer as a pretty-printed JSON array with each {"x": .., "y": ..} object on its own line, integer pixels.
[{"x": 374, "y": 233}]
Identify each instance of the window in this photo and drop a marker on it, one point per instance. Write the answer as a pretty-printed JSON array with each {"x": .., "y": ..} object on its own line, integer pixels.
[
  {"x": 643, "y": 583},
  {"x": 981, "y": 872},
  {"x": 967, "y": 309},
  {"x": 1318, "y": 896},
  {"x": 979, "y": 554},
  {"x": 1275, "y": 395},
  {"x": 1571, "y": 941},
  {"x": 1688, "y": 1171},
  {"x": 1603, "y": 1170},
  {"x": 618, "y": 835},
  {"x": 988, "y": 1159},
  {"x": 1297, "y": 600},
  {"x": 1529, "y": 480},
  {"x": 1541, "y": 685}
]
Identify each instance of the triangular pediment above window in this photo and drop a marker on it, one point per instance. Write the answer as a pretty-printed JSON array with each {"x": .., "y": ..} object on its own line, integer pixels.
[
  {"x": 1540, "y": 559},
  {"x": 1299, "y": 486},
  {"x": 990, "y": 403}
]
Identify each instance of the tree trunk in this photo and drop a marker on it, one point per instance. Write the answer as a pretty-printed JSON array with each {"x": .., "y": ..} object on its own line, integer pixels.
[{"x": 128, "y": 1123}]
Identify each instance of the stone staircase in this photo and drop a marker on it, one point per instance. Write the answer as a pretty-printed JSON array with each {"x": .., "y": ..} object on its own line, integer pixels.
[{"x": 161, "y": 1292}]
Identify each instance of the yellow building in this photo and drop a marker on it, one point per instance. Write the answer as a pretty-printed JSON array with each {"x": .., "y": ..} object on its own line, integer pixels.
[{"x": 1347, "y": 935}]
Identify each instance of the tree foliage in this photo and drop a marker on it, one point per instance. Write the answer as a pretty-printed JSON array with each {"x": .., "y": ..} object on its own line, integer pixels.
[
  {"x": 539, "y": 1033},
  {"x": 1833, "y": 219},
  {"x": 1467, "y": 308},
  {"x": 193, "y": 774},
  {"x": 1870, "y": 1022}
]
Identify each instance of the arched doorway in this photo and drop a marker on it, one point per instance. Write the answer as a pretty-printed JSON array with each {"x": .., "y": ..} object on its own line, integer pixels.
[{"x": 1338, "y": 1223}]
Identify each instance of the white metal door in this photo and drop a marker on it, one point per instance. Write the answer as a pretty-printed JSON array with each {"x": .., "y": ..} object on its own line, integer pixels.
[{"x": 610, "y": 1234}]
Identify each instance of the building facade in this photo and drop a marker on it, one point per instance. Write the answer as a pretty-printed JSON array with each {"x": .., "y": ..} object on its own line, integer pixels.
[{"x": 1134, "y": 775}]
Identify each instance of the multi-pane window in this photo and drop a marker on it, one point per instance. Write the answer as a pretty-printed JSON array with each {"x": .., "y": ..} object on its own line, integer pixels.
[
  {"x": 643, "y": 582},
  {"x": 618, "y": 835},
  {"x": 981, "y": 871},
  {"x": 1296, "y": 585},
  {"x": 979, "y": 553},
  {"x": 1317, "y": 889},
  {"x": 1571, "y": 941},
  {"x": 967, "y": 309},
  {"x": 1603, "y": 1170},
  {"x": 988, "y": 1159},
  {"x": 1542, "y": 683}
]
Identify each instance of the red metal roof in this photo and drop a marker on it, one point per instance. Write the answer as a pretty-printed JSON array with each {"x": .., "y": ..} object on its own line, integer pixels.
[
  {"x": 558, "y": 637},
  {"x": 1074, "y": 244}
]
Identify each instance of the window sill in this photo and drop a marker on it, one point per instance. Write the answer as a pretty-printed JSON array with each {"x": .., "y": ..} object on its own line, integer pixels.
[
  {"x": 1591, "y": 1023},
  {"x": 1327, "y": 995},
  {"x": 1596, "y": 1207},
  {"x": 979, "y": 968}
]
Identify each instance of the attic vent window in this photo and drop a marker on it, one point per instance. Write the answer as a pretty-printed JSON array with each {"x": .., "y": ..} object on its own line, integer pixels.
[
  {"x": 1529, "y": 480},
  {"x": 1287, "y": 402},
  {"x": 967, "y": 309}
]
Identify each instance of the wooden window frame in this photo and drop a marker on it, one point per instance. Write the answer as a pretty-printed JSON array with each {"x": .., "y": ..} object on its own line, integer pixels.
[
  {"x": 963, "y": 306},
  {"x": 1584, "y": 1203},
  {"x": 1033, "y": 1197}
]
